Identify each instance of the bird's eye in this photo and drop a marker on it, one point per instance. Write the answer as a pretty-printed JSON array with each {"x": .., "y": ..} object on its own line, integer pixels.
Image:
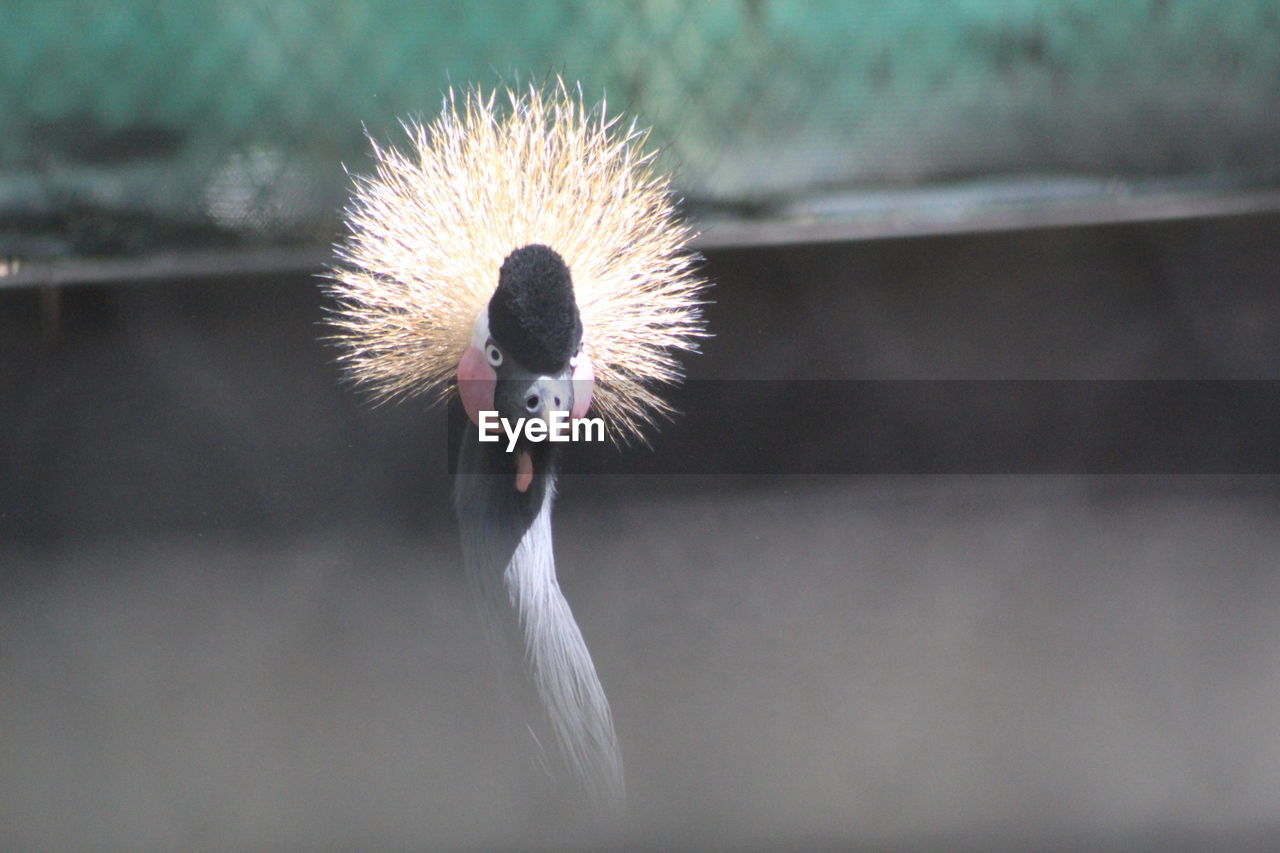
[{"x": 493, "y": 354}]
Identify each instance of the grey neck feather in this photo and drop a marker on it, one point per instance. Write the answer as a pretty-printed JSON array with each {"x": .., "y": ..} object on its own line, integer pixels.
[{"x": 506, "y": 541}]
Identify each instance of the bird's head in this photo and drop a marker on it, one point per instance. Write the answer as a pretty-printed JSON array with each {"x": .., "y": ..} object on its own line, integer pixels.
[
  {"x": 458, "y": 260},
  {"x": 526, "y": 359}
]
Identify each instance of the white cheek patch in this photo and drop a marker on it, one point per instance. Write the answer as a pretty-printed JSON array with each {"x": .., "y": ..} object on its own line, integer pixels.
[
  {"x": 584, "y": 383},
  {"x": 480, "y": 331}
]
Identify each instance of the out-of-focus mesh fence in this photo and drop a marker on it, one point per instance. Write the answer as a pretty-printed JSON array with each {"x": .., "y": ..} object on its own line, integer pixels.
[{"x": 130, "y": 127}]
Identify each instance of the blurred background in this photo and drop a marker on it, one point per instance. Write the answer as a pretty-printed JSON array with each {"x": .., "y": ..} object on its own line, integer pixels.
[{"x": 233, "y": 615}]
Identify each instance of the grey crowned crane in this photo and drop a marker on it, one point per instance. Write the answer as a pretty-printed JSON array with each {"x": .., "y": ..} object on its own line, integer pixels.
[{"x": 525, "y": 252}]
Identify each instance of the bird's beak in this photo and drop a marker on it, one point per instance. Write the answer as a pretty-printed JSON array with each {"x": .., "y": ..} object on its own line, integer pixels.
[{"x": 532, "y": 397}]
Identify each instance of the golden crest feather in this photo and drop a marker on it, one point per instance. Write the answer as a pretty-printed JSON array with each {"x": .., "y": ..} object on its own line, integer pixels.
[{"x": 428, "y": 231}]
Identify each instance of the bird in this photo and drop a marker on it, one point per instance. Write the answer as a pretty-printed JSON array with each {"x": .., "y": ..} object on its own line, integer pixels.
[{"x": 525, "y": 254}]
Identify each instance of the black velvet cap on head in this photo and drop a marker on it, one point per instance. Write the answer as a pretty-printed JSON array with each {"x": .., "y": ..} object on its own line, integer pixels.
[{"x": 533, "y": 315}]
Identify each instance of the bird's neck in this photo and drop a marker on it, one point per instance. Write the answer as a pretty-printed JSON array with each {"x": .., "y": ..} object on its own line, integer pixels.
[
  {"x": 506, "y": 539},
  {"x": 494, "y": 518}
]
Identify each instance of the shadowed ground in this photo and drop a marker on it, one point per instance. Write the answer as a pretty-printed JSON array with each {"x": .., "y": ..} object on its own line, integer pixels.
[{"x": 885, "y": 660}]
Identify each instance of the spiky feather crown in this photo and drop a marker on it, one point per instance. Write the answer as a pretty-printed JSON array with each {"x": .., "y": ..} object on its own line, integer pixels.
[{"x": 428, "y": 233}]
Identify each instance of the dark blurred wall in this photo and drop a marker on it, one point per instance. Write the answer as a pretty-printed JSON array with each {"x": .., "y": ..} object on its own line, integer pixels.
[
  {"x": 215, "y": 406},
  {"x": 233, "y": 615}
]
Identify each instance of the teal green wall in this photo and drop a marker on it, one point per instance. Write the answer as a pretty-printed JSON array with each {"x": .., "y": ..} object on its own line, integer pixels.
[{"x": 753, "y": 99}]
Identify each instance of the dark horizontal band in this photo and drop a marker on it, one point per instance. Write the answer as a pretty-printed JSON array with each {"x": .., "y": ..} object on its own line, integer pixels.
[{"x": 768, "y": 427}]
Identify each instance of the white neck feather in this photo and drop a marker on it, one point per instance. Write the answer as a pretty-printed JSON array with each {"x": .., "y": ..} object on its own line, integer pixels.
[{"x": 511, "y": 564}]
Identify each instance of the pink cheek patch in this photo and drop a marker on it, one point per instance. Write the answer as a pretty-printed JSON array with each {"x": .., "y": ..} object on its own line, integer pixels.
[
  {"x": 476, "y": 383},
  {"x": 584, "y": 384}
]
